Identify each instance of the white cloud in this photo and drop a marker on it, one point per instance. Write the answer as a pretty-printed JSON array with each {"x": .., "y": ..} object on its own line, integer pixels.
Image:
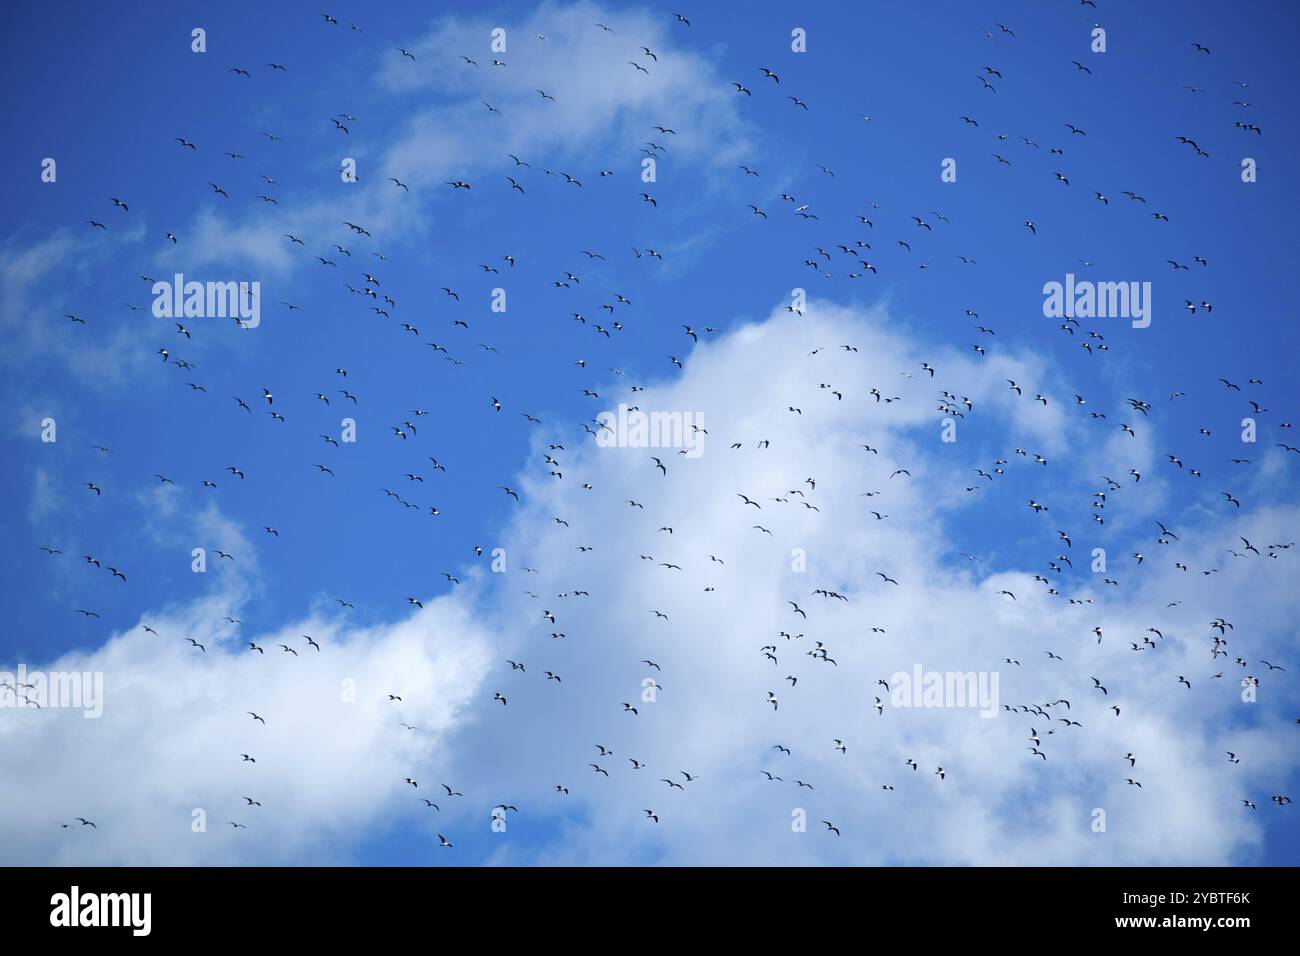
[
  {"x": 999, "y": 802},
  {"x": 42, "y": 281},
  {"x": 174, "y": 723},
  {"x": 174, "y": 726},
  {"x": 601, "y": 106}
]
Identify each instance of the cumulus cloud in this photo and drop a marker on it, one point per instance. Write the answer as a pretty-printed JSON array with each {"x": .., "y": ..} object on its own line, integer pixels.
[
  {"x": 174, "y": 719},
  {"x": 998, "y": 803},
  {"x": 165, "y": 756}
]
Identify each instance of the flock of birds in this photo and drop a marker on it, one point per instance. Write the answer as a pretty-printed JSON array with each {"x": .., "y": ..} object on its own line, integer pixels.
[{"x": 354, "y": 254}]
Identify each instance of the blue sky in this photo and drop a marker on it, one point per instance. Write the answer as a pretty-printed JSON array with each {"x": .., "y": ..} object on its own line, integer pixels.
[{"x": 911, "y": 70}]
